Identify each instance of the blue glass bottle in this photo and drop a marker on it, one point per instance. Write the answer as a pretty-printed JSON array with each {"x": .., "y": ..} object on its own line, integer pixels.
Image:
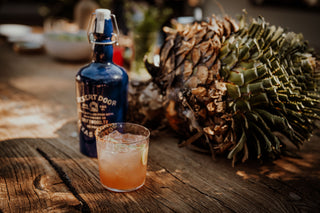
[{"x": 101, "y": 86}]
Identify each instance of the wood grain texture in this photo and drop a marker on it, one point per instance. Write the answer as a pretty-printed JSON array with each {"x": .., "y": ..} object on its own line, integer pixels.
[{"x": 42, "y": 170}]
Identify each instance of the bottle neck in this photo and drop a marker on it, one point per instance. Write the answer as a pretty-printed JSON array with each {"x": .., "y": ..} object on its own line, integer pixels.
[{"x": 103, "y": 53}]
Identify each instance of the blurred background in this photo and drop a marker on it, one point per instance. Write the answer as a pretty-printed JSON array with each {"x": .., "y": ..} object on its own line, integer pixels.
[{"x": 300, "y": 16}]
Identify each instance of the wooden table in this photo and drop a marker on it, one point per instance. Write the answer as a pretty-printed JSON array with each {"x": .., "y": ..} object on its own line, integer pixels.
[{"x": 41, "y": 168}]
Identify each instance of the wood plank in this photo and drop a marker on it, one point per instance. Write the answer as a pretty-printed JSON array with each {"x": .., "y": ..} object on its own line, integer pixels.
[
  {"x": 247, "y": 187},
  {"x": 28, "y": 183}
]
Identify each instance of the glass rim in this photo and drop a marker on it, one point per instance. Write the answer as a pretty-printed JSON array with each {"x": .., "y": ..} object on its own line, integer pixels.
[{"x": 103, "y": 127}]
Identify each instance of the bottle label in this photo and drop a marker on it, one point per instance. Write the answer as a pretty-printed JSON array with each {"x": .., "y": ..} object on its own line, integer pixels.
[{"x": 95, "y": 110}]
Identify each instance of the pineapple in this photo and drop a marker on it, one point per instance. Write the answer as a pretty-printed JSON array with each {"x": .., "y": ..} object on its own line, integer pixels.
[{"x": 228, "y": 87}]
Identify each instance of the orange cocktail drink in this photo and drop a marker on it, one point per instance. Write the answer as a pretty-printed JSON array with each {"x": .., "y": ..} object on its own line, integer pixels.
[{"x": 122, "y": 155}]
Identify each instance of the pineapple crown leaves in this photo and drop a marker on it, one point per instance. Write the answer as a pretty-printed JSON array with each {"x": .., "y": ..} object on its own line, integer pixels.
[
  {"x": 233, "y": 86},
  {"x": 272, "y": 80}
]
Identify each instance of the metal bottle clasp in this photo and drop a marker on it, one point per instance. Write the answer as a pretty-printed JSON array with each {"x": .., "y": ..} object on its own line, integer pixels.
[{"x": 114, "y": 38}]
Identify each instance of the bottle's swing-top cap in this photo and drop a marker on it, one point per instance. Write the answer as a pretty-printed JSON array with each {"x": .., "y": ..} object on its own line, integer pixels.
[
  {"x": 97, "y": 24},
  {"x": 101, "y": 16}
]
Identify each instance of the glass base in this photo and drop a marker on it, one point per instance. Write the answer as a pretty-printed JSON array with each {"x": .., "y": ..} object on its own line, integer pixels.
[{"x": 122, "y": 190}]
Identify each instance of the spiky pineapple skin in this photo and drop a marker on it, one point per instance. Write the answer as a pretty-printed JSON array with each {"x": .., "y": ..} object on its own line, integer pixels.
[
  {"x": 189, "y": 79},
  {"x": 228, "y": 87}
]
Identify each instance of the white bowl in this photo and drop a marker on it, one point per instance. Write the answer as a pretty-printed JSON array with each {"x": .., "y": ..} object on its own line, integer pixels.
[
  {"x": 12, "y": 31},
  {"x": 67, "y": 46}
]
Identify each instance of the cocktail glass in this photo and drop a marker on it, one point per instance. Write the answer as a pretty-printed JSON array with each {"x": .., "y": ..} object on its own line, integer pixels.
[{"x": 122, "y": 155}]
